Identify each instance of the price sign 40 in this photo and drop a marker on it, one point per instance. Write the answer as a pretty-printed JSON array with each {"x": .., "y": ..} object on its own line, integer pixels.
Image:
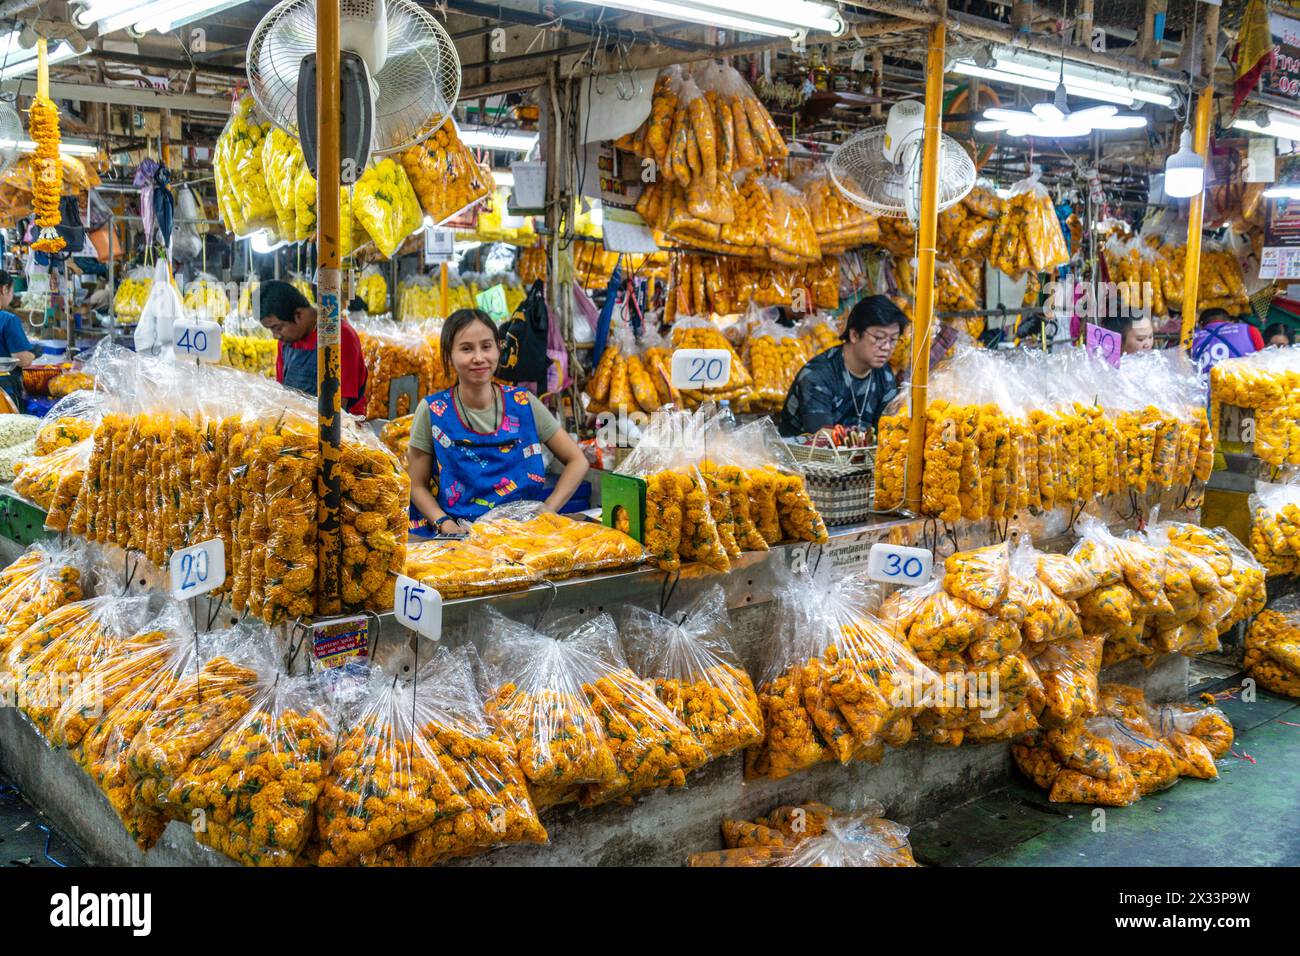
[{"x": 196, "y": 339}]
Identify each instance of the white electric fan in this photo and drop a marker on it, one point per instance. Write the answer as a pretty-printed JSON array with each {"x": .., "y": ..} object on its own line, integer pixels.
[
  {"x": 11, "y": 133},
  {"x": 399, "y": 70},
  {"x": 879, "y": 169}
]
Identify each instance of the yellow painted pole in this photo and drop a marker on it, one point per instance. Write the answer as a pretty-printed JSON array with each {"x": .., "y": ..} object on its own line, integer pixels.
[
  {"x": 1196, "y": 220},
  {"x": 442, "y": 287},
  {"x": 927, "y": 230},
  {"x": 328, "y": 400}
]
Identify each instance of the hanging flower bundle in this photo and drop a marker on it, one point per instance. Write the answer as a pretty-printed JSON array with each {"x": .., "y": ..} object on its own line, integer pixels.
[
  {"x": 47, "y": 173},
  {"x": 47, "y": 170}
]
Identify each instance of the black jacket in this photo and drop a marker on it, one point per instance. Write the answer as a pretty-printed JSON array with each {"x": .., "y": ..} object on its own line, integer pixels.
[{"x": 823, "y": 395}]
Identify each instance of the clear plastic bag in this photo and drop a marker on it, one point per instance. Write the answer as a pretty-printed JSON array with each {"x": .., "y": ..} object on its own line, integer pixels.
[
  {"x": 1209, "y": 725},
  {"x": 1273, "y": 649},
  {"x": 444, "y": 173},
  {"x": 391, "y": 352},
  {"x": 52, "y": 481},
  {"x": 695, "y": 672},
  {"x": 40, "y": 580},
  {"x": 282, "y": 161},
  {"x": 853, "y": 840},
  {"x": 1148, "y": 759},
  {"x": 535, "y": 696},
  {"x": 1069, "y": 671},
  {"x": 384, "y": 203},
  {"x": 386, "y": 779},
  {"x": 460, "y": 569},
  {"x": 47, "y": 662},
  {"x": 242, "y": 195}
]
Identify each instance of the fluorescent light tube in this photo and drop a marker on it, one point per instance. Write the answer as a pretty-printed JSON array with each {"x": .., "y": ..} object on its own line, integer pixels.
[
  {"x": 768, "y": 17},
  {"x": 519, "y": 141},
  {"x": 1118, "y": 96},
  {"x": 1281, "y": 125}
]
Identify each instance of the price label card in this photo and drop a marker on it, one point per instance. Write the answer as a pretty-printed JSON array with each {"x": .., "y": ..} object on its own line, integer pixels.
[
  {"x": 1109, "y": 344},
  {"x": 196, "y": 339},
  {"x": 198, "y": 569},
  {"x": 896, "y": 564},
  {"x": 701, "y": 368},
  {"x": 493, "y": 302},
  {"x": 439, "y": 246},
  {"x": 418, "y": 607}
]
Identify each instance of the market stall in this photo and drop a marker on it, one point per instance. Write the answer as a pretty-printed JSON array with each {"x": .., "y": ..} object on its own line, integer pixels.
[{"x": 545, "y": 470}]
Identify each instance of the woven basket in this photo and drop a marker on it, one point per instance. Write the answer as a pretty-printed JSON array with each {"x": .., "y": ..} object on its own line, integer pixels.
[{"x": 841, "y": 491}]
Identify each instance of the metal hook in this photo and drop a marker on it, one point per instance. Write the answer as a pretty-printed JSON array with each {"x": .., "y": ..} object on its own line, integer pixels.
[{"x": 666, "y": 592}]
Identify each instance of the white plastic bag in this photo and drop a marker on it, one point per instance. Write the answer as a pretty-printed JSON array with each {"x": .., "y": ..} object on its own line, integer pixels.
[
  {"x": 186, "y": 241},
  {"x": 161, "y": 309}
]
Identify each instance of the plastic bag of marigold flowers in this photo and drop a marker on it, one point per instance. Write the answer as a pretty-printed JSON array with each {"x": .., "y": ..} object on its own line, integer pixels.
[
  {"x": 71, "y": 419},
  {"x": 386, "y": 779},
  {"x": 393, "y": 352},
  {"x": 695, "y": 672},
  {"x": 1273, "y": 648},
  {"x": 779, "y": 505},
  {"x": 373, "y": 519},
  {"x": 532, "y": 689},
  {"x": 213, "y": 689},
  {"x": 853, "y": 840},
  {"x": 253, "y": 792},
  {"x": 837, "y": 683},
  {"x": 679, "y": 525},
  {"x": 49, "y": 660},
  {"x": 44, "y": 577},
  {"x": 481, "y": 764}
]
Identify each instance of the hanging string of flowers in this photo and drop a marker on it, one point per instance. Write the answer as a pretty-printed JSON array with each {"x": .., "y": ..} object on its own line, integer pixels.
[{"x": 47, "y": 169}]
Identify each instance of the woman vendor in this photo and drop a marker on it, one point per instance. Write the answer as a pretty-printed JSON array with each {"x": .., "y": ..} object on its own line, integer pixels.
[{"x": 480, "y": 443}]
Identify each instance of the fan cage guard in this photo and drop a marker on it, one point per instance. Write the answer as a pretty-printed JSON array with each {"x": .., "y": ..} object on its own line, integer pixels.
[
  {"x": 868, "y": 180},
  {"x": 415, "y": 90},
  {"x": 11, "y": 133}
]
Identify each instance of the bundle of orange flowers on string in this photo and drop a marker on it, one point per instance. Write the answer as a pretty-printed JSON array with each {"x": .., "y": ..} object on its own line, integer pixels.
[
  {"x": 839, "y": 224},
  {"x": 712, "y": 493},
  {"x": 1005, "y": 433},
  {"x": 837, "y": 683},
  {"x": 1267, "y": 383},
  {"x": 1027, "y": 236},
  {"x": 690, "y": 332},
  {"x": 1275, "y": 526},
  {"x": 1141, "y": 274},
  {"x": 632, "y": 374},
  {"x": 186, "y": 454},
  {"x": 1222, "y": 284},
  {"x": 774, "y": 354},
  {"x": 703, "y": 284},
  {"x": 47, "y": 170},
  {"x": 1273, "y": 648},
  {"x": 53, "y": 481},
  {"x": 705, "y": 124},
  {"x": 1238, "y": 570},
  {"x": 966, "y": 228}
]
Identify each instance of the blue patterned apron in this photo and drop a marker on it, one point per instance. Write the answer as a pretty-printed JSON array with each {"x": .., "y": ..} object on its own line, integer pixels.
[{"x": 476, "y": 471}]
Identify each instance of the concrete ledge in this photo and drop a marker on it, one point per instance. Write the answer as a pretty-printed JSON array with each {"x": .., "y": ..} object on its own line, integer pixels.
[{"x": 914, "y": 784}]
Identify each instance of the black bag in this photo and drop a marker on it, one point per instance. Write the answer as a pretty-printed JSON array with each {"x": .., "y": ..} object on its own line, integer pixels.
[
  {"x": 523, "y": 340},
  {"x": 71, "y": 229}
]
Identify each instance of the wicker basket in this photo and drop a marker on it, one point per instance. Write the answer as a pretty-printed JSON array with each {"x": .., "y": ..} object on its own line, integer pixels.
[{"x": 841, "y": 490}]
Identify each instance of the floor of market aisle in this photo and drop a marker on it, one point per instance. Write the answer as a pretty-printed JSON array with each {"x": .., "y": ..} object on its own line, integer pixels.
[
  {"x": 1194, "y": 823},
  {"x": 1245, "y": 818},
  {"x": 27, "y": 838}
]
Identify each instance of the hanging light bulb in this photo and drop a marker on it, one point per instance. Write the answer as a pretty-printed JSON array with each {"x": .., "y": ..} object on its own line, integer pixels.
[{"x": 1184, "y": 170}]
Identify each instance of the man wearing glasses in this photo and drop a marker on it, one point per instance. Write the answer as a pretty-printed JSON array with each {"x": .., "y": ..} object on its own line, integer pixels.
[{"x": 850, "y": 384}]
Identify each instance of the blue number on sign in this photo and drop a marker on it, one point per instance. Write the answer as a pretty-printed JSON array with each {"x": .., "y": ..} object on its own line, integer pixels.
[
  {"x": 194, "y": 569},
  {"x": 912, "y": 568},
  {"x": 697, "y": 368},
  {"x": 200, "y": 340},
  {"x": 894, "y": 566},
  {"x": 184, "y": 341},
  {"x": 412, "y": 595}
]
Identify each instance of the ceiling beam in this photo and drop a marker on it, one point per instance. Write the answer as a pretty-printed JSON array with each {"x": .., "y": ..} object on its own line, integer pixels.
[{"x": 123, "y": 95}]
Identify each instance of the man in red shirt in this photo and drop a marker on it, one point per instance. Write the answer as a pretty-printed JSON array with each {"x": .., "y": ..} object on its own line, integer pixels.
[{"x": 292, "y": 320}]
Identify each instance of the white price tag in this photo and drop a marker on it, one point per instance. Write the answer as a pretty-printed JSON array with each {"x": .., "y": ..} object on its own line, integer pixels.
[
  {"x": 418, "y": 607},
  {"x": 896, "y": 564},
  {"x": 701, "y": 368},
  {"x": 439, "y": 246},
  {"x": 198, "y": 569},
  {"x": 196, "y": 339}
]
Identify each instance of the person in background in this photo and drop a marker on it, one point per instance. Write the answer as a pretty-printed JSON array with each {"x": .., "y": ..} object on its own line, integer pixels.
[
  {"x": 481, "y": 442},
  {"x": 851, "y": 383},
  {"x": 1220, "y": 317},
  {"x": 291, "y": 319},
  {"x": 1138, "y": 332},
  {"x": 1279, "y": 334},
  {"x": 13, "y": 342}
]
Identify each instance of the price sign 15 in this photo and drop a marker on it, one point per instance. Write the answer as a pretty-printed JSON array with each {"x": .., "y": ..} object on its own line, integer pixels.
[
  {"x": 418, "y": 607},
  {"x": 196, "y": 339},
  {"x": 198, "y": 569},
  {"x": 701, "y": 368},
  {"x": 896, "y": 564}
]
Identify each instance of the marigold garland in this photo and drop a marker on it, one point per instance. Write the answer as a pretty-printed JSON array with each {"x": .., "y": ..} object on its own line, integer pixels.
[{"x": 47, "y": 173}]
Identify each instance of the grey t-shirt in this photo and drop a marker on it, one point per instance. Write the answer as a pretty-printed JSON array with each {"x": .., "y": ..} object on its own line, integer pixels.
[{"x": 485, "y": 420}]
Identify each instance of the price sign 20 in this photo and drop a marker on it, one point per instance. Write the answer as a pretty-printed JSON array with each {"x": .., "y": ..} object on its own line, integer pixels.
[
  {"x": 701, "y": 368},
  {"x": 198, "y": 569}
]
